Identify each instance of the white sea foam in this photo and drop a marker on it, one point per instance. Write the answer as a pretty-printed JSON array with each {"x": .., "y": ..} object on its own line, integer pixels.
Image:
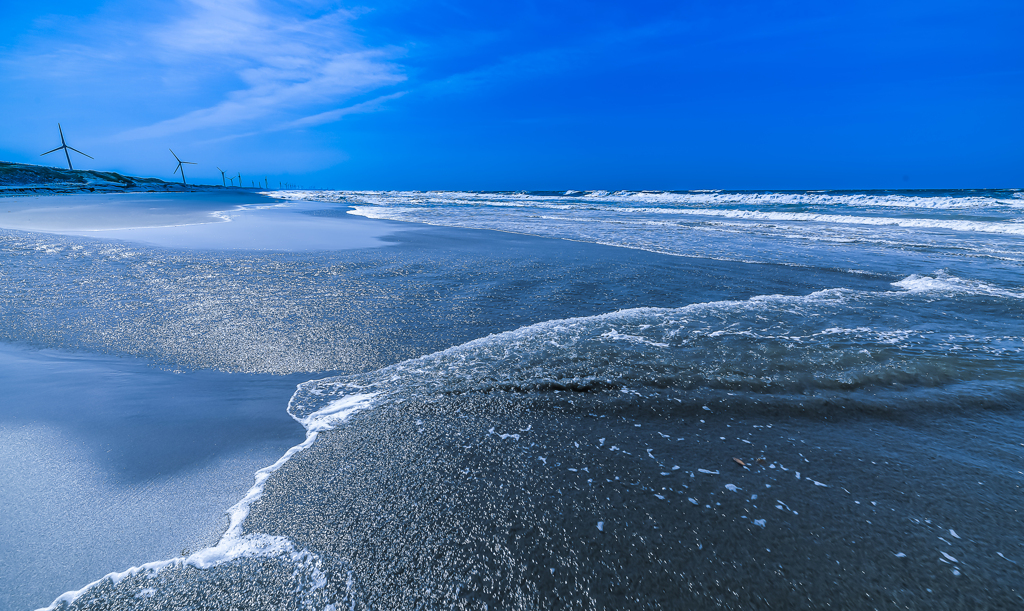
[
  {"x": 839, "y": 226},
  {"x": 699, "y": 343},
  {"x": 920, "y": 223},
  {"x": 557, "y": 351},
  {"x": 632, "y": 199},
  {"x": 951, "y": 285},
  {"x": 431, "y": 217},
  {"x": 987, "y": 228},
  {"x": 635, "y": 339},
  {"x": 227, "y": 550}
]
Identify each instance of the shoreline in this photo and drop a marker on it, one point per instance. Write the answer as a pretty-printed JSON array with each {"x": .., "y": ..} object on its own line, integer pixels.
[
  {"x": 108, "y": 461},
  {"x": 199, "y": 220}
]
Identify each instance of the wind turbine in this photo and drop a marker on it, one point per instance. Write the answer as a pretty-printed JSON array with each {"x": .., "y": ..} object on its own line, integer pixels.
[
  {"x": 224, "y": 182},
  {"x": 180, "y": 167},
  {"x": 64, "y": 145}
]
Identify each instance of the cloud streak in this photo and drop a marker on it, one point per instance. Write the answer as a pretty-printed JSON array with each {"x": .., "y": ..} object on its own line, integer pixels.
[
  {"x": 322, "y": 118},
  {"x": 213, "y": 66},
  {"x": 282, "y": 65},
  {"x": 335, "y": 115}
]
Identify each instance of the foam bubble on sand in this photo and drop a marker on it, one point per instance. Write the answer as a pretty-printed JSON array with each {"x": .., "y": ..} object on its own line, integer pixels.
[{"x": 229, "y": 549}]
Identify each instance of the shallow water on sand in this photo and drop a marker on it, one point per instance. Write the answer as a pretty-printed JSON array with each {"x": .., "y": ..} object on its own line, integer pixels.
[
  {"x": 111, "y": 462},
  {"x": 203, "y": 220}
]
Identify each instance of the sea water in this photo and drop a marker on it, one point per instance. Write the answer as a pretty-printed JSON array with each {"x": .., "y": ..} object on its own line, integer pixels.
[{"x": 586, "y": 399}]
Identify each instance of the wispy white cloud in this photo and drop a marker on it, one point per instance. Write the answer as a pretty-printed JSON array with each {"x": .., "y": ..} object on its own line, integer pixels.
[
  {"x": 334, "y": 115},
  {"x": 322, "y": 118},
  {"x": 287, "y": 64},
  {"x": 214, "y": 65}
]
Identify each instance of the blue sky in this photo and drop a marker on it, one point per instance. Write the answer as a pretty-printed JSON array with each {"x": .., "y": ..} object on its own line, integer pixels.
[{"x": 400, "y": 94}]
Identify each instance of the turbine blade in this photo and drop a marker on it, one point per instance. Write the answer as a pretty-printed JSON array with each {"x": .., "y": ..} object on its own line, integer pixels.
[
  {"x": 175, "y": 156},
  {"x": 54, "y": 150},
  {"x": 61, "y": 134},
  {"x": 80, "y": 152},
  {"x": 192, "y": 162}
]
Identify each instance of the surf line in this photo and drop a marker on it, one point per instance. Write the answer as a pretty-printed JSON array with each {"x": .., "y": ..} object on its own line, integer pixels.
[{"x": 233, "y": 544}]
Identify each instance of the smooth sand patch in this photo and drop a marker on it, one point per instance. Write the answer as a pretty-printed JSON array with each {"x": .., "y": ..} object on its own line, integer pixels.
[{"x": 205, "y": 220}]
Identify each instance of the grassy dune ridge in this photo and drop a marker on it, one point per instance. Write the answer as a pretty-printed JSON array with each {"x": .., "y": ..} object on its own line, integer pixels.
[{"x": 21, "y": 178}]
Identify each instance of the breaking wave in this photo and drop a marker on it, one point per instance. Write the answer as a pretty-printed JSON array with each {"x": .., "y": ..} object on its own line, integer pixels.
[{"x": 827, "y": 351}]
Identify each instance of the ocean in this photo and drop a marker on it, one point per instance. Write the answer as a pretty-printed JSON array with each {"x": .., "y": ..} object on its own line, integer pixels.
[{"x": 539, "y": 400}]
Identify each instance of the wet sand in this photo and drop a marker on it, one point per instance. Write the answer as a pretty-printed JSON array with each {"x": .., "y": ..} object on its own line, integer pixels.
[
  {"x": 203, "y": 220},
  {"x": 108, "y": 461}
]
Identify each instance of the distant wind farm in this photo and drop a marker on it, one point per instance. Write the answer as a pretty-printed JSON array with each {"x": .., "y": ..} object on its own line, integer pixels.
[{"x": 42, "y": 176}]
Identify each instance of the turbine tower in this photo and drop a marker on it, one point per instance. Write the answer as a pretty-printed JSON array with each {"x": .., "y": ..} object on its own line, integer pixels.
[
  {"x": 64, "y": 145},
  {"x": 181, "y": 167},
  {"x": 222, "y": 180}
]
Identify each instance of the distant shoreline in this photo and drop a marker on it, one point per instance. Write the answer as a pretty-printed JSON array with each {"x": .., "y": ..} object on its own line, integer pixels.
[{"x": 28, "y": 179}]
